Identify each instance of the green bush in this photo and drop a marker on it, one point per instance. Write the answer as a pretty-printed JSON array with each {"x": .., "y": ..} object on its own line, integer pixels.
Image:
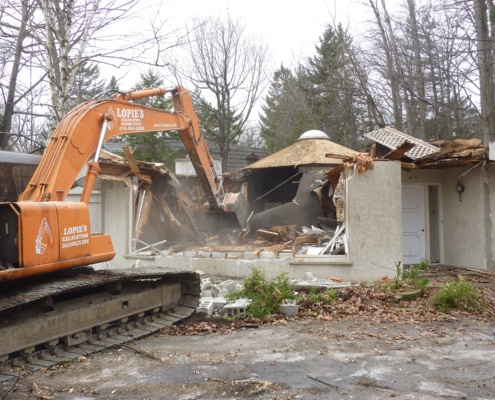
[
  {"x": 265, "y": 296},
  {"x": 413, "y": 275},
  {"x": 463, "y": 295}
]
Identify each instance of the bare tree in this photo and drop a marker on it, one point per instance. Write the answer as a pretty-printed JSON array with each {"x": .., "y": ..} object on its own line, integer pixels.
[
  {"x": 230, "y": 68},
  {"x": 18, "y": 33},
  {"x": 391, "y": 72},
  {"x": 46, "y": 42},
  {"x": 69, "y": 26},
  {"x": 418, "y": 71},
  {"x": 485, "y": 28}
]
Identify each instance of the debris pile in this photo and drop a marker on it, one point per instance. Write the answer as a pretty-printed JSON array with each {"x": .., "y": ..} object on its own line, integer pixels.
[
  {"x": 366, "y": 301},
  {"x": 214, "y": 293},
  {"x": 289, "y": 241}
]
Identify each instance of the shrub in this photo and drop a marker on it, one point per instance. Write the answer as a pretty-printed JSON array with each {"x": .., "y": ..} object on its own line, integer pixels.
[
  {"x": 413, "y": 275},
  {"x": 265, "y": 296},
  {"x": 463, "y": 295}
]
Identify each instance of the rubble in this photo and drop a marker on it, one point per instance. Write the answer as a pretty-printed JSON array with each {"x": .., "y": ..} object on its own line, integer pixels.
[
  {"x": 289, "y": 308},
  {"x": 214, "y": 303}
]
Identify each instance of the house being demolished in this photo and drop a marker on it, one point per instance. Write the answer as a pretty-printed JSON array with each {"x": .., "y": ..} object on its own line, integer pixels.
[
  {"x": 314, "y": 206},
  {"x": 448, "y": 198}
]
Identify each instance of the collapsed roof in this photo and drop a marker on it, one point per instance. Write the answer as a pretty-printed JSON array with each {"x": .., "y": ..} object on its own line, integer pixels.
[
  {"x": 415, "y": 153},
  {"x": 311, "y": 149}
]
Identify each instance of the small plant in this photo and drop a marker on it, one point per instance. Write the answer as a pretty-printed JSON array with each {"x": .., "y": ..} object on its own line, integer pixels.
[
  {"x": 413, "y": 275},
  {"x": 463, "y": 295},
  {"x": 265, "y": 296},
  {"x": 316, "y": 297}
]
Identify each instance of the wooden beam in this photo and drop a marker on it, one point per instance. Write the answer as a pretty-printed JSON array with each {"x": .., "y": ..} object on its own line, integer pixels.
[
  {"x": 131, "y": 160},
  {"x": 399, "y": 152}
]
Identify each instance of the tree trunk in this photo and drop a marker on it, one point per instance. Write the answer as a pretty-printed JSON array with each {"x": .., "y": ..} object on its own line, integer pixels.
[
  {"x": 6, "y": 124},
  {"x": 485, "y": 66},
  {"x": 418, "y": 66},
  {"x": 392, "y": 76}
]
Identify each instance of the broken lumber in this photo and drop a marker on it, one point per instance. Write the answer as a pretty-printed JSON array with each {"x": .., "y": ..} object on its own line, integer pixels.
[{"x": 268, "y": 235}]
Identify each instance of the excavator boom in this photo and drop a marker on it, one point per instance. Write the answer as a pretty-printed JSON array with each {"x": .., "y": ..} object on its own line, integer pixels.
[{"x": 80, "y": 135}]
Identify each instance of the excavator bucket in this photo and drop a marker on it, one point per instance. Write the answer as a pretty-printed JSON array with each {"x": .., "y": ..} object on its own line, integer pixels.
[{"x": 236, "y": 203}]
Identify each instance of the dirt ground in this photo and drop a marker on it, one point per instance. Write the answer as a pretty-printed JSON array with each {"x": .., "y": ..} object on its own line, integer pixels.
[{"x": 302, "y": 359}]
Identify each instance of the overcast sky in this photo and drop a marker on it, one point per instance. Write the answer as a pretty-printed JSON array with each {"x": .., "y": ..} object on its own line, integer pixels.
[{"x": 290, "y": 27}]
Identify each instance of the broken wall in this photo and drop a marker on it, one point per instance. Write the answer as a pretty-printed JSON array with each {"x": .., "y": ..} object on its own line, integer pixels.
[
  {"x": 374, "y": 220},
  {"x": 117, "y": 203}
]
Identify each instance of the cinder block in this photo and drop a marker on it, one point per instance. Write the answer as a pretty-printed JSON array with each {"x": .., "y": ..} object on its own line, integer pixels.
[
  {"x": 289, "y": 309},
  {"x": 219, "y": 302},
  {"x": 239, "y": 307},
  {"x": 268, "y": 255},
  {"x": 215, "y": 290},
  {"x": 190, "y": 253},
  {"x": 206, "y": 306},
  {"x": 217, "y": 255},
  {"x": 204, "y": 254},
  {"x": 229, "y": 286},
  {"x": 206, "y": 293},
  {"x": 205, "y": 284}
]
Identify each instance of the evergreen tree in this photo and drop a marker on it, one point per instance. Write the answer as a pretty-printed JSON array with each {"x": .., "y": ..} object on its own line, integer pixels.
[
  {"x": 152, "y": 146},
  {"x": 113, "y": 86},
  {"x": 209, "y": 119},
  {"x": 285, "y": 116},
  {"x": 87, "y": 85},
  {"x": 337, "y": 104}
]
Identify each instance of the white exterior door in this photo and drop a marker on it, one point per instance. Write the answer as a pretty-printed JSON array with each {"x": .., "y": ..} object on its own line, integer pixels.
[{"x": 413, "y": 223}]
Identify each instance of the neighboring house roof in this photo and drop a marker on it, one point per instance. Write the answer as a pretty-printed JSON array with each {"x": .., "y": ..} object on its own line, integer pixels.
[
  {"x": 393, "y": 139},
  {"x": 306, "y": 152},
  {"x": 239, "y": 156}
]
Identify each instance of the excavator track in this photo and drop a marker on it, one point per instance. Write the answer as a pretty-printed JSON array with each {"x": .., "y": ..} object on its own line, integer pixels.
[{"x": 80, "y": 312}]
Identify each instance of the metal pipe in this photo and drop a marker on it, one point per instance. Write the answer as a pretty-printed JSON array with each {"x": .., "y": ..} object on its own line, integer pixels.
[{"x": 103, "y": 132}]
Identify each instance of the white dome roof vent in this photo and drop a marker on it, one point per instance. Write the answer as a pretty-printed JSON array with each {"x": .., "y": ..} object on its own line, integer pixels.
[{"x": 313, "y": 134}]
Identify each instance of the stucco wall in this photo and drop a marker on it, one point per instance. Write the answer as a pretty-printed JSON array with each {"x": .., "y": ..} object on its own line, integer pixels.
[
  {"x": 467, "y": 234},
  {"x": 489, "y": 212},
  {"x": 464, "y": 220},
  {"x": 117, "y": 219},
  {"x": 374, "y": 221}
]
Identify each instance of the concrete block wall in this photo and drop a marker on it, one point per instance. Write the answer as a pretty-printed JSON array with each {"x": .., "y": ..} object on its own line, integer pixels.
[
  {"x": 374, "y": 221},
  {"x": 374, "y": 231}
]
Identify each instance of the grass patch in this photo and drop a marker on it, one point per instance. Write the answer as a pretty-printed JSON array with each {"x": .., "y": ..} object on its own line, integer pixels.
[
  {"x": 266, "y": 296},
  {"x": 319, "y": 297},
  {"x": 463, "y": 296}
]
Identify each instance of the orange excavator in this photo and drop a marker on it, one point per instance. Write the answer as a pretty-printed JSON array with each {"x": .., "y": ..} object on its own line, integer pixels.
[{"x": 49, "y": 300}]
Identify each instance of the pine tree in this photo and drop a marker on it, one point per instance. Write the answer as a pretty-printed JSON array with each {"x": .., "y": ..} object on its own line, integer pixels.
[
  {"x": 152, "y": 146},
  {"x": 285, "y": 115},
  {"x": 87, "y": 85},
  {"x": 338, "y": 106}
]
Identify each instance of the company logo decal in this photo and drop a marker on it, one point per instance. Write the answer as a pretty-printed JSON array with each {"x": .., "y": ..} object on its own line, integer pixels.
[
  {"x": 75, "y": 236},
  {"x": 44, "y": 233}
]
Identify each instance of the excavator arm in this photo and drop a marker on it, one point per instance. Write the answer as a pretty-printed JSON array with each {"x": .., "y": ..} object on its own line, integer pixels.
[
  {"x": 41, "y": 233},
  {"x": 82, "y": 132}
]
